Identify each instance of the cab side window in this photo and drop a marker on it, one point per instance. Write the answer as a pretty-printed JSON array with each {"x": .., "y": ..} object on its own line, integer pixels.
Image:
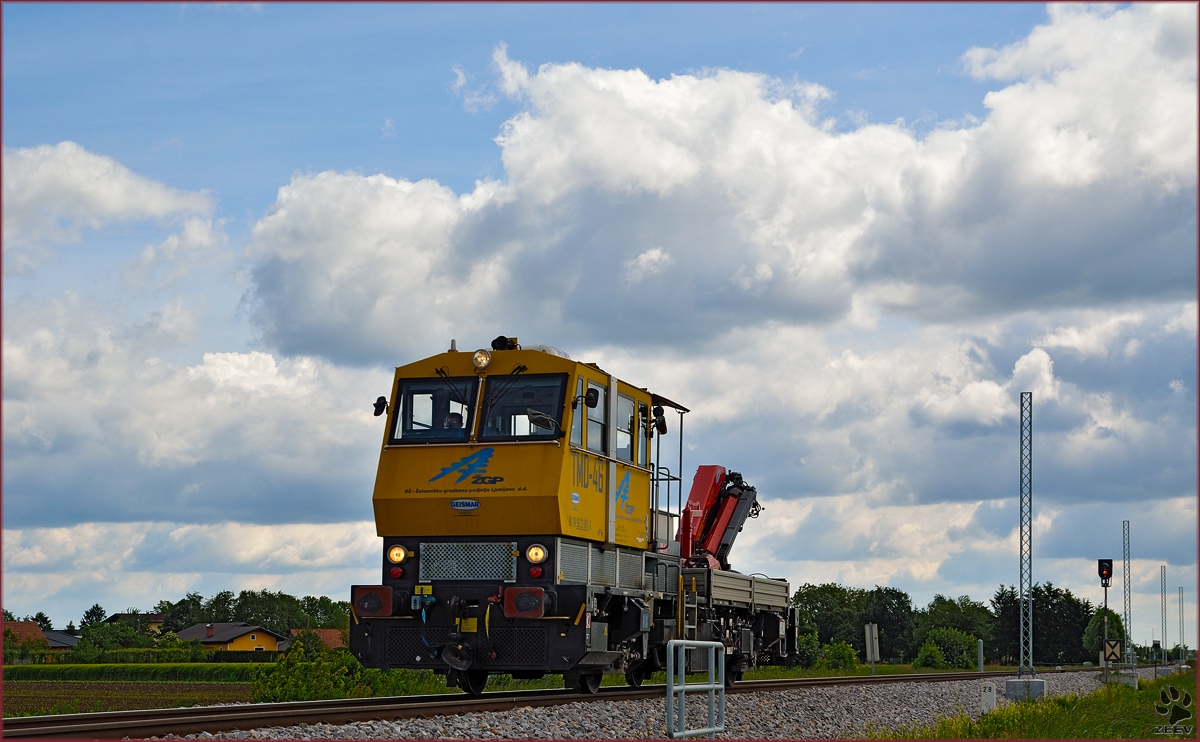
[
  {"x": 577, "y": 415},
  {"x": 597, "y": 426},
  {"x": 625, "y": 427}
]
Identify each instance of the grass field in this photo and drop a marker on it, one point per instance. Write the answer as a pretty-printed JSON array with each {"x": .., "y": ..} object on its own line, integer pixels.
[
  {"x": 35, "y": 698},
  {"x": 1113, "y": 712}
]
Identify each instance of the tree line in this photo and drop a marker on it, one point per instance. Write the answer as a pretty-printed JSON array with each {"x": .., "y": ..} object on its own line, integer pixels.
[
  {"x": 276, "y": 611},
  {"x": 1066, "y": 629}
]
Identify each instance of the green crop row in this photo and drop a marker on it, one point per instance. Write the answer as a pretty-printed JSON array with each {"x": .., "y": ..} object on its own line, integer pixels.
[{"x": 193, "y": 672}]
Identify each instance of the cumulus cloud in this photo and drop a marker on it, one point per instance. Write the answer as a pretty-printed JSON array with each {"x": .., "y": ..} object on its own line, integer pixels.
[
  {"x": 91, "y": 407},
  {"x": 199, "y": 243},
  {"x": 142, "y": 562},
  {"x": 53, "y": 192},
  {"x": 1065, "y": 195},
  {"x": 1094, "y": 339}
]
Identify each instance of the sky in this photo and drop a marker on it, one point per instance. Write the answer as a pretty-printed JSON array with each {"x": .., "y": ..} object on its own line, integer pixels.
[{"x": 847, "y": 237}]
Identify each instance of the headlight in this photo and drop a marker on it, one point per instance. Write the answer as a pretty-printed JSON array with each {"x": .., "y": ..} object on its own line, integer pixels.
[
  {"x": 536, "y": 554},
  {"x": 481, "y": 359},
  {"x": 397, "y": 554}
]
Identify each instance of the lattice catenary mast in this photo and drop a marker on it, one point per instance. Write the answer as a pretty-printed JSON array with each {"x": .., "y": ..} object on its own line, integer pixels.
[
  {"x": 1125, "y": 584},
  {"x": 1026, "y": 659},
  {"x": 1182, "y": 644},
  {"x": 1162, "y": 580}
]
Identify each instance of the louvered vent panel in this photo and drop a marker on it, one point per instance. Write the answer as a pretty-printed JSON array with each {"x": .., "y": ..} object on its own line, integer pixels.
[{"x": 488, "y": 560}]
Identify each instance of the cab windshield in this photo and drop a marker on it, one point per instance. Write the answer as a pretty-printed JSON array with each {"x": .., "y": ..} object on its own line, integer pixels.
[
  {"x": 434, "y": 410},
  {"x": 523, "y": 407}
]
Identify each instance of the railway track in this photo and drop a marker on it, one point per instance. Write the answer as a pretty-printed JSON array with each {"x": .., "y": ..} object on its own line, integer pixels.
[{"x": 158, "y": 722}]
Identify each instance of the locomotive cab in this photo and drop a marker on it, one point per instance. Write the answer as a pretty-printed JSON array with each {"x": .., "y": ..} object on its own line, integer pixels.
[{"x": 517, "y": 500}]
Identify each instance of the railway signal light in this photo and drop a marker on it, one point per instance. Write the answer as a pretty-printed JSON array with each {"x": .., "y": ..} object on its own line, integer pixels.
[{"x": 1105, "y": 568}]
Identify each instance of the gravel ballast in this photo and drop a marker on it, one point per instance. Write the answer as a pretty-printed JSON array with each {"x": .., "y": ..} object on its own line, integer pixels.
[{"x": 826, "y": 712}]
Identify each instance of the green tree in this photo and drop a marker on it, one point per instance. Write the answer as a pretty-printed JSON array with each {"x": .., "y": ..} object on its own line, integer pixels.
[
  {"x": 278, "y": 612},
  {"x": 117, "y": 635},
  {"x": 835, "y": 610},
  {"x": 71, "y": 629},
  {"x": 93, "y": 615},
  {"x": 322, "y": 612},
  {"x": 218, "y": 609},
  {"x": 891, "y": 609},
  {"x": 8, "y": 616},
  {"x": 1059, "y": 622},
  {"x": 1005, "y": 646},
  {"x": 963, "y": 614},
  {"x": 181, "y": 615},
  {"x": 42, "y": 620},
  {"x": 957, "y": 648},
  {"x": 1093, "y": 635}
]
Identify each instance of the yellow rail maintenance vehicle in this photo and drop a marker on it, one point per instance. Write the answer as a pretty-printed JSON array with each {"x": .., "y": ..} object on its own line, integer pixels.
[{"x": 527, "y": 529}]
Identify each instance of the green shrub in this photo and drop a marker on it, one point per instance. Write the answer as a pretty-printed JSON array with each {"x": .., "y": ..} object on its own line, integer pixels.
[
  {"x": 188, "y": 672},
  {"x": 87, "y": 653},
  {"x": 840, "y": 656},
  {"x": 332, "y": 675},
  {"x": 958, "y": 648},
  {"x": 808, "y": 650},
  {"x": 930, "y": 656}
]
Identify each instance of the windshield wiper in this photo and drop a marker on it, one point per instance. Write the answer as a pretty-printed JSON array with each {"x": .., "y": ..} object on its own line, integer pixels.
[{"x": 459, "y": 396}]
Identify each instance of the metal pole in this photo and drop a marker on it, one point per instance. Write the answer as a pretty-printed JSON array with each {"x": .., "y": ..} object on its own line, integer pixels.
[
  {"x": 1126, "y": 585},
  {"x": 1105, "y": 645},
  {"x": 1026, "y": 626},
  {"x": 1162, "y": 578},
  {"x": 1182, "y": 646},
  {"x": 680, "y": 470}
]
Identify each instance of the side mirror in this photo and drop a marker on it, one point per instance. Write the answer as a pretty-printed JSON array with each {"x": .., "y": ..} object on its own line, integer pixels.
[
  {"x": 660, "y": 424},
  {"x": 592, "y": 398},
  {"x": 542, "y": 420},
  {"x": 381, "y": 406}
]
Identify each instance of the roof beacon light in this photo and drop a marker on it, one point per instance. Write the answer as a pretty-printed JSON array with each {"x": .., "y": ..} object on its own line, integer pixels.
[
  {"x": 481, "y": 359},
  {"x": 397, "y": 554}
]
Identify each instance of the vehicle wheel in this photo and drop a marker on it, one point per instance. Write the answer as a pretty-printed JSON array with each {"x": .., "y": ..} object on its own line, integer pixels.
[
  {"x": 637, "y": 675},
  {"x": 589, "y": 684},
  {"x": 473, "y": 681},
  {"x": 731, "y": 678}
]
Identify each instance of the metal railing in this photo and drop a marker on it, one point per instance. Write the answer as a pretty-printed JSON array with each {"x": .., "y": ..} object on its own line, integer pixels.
[{"x": 678, "y": 688}]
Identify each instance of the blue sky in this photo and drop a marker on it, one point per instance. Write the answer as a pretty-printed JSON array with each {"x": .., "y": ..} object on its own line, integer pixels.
[{"x": 875, "y": 223}]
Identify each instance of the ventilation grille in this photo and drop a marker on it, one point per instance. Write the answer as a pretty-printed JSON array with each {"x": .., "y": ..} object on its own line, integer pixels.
[
  {"x": 489, "y": 560},
  {"x": 604, "y": 567},
  {"x": 631, "y": 569},
  {"x": 572, "y": 562}
]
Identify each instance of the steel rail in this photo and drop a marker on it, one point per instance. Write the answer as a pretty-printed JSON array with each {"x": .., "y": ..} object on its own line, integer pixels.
[{"x": 158, "y": 722}]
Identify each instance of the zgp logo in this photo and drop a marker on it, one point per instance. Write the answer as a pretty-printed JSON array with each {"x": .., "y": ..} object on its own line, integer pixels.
[
  {"x": 474, "y": 466},
  {"x": 624, "y": 505}
]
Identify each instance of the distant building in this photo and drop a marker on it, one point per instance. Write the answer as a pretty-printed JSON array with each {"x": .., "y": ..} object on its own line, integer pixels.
[
  {"x": 232, "y": 636},
  {"x": 24, "y": 631},
  {"x": 151, "y": 623},
  {"x": 60, "y": 641},
  {"x": 331, "y": 638}
]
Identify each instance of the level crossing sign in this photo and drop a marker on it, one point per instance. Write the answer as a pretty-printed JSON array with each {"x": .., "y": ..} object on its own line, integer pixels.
[{"x": 1112, "y": 650}]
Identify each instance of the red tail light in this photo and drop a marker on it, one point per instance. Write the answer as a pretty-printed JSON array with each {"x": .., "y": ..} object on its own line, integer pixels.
[{"x": 535, "y": 571}]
